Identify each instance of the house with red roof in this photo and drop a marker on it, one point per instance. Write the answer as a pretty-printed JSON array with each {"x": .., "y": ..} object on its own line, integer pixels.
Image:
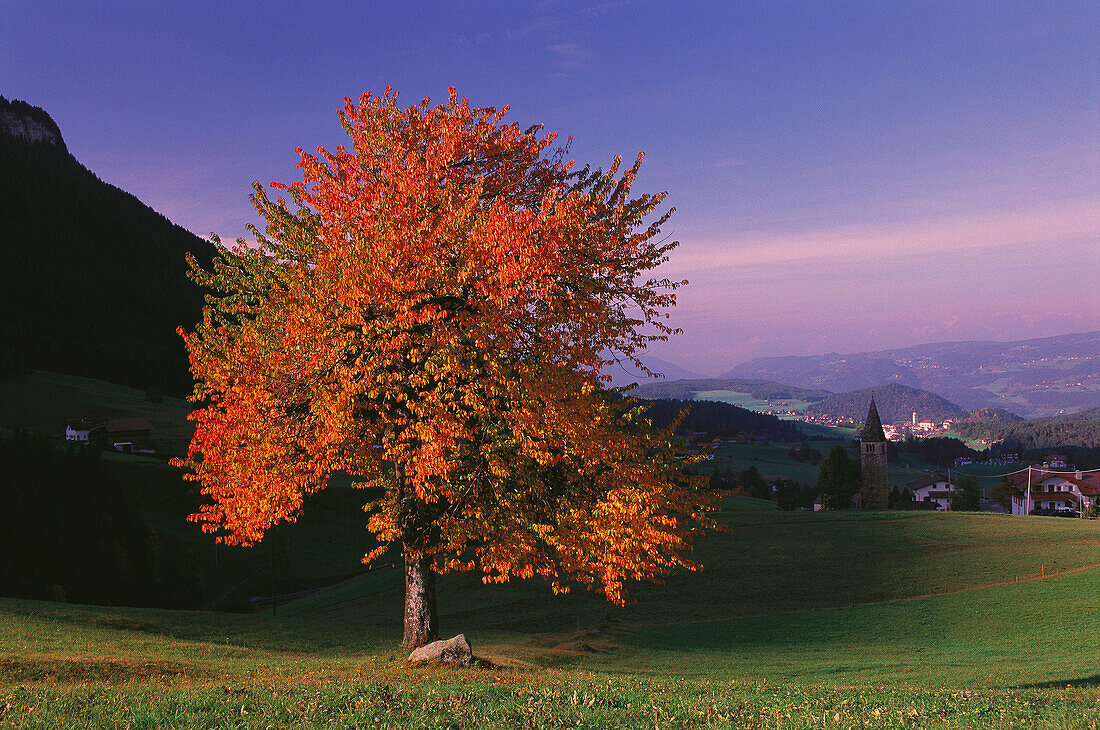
[{"x": 1037, "y": 489}]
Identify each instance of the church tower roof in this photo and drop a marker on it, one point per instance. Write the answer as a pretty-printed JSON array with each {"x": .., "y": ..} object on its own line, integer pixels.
[{"x": 872, "y": 427}]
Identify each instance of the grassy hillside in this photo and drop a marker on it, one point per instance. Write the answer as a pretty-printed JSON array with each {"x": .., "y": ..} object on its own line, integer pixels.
[
  {"x": 798, "y": 620},
  {"x": 44, "y": 401},
  {"x": 752, "y": 402},
  {"x": 768, "y": 564},
  {"x": 324, "y": 546}
]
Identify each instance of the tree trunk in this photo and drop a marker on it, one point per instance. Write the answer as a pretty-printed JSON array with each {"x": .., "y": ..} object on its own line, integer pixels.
[{"x": 421, "y": 626}]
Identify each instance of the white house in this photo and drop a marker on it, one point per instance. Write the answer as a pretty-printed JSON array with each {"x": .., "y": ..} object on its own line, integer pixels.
[
  {"x": 1057, "y": 462},
  {"x": 122, "y": 434},
  {"x": 83, "y": 431},
  {"x": 1053, "y": 490},
  {"x": 932, "y": 487}
]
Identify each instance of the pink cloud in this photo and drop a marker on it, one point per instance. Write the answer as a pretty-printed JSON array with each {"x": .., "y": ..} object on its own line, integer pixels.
[{"x": 1060, "y": 220}]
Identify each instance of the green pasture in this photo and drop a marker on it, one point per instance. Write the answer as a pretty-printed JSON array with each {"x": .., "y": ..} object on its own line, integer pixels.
[
  {"x": 769, "y": 459},
  {"x": 748, "y": 401},
  {"x": 818, "y": 431},
  {"x": 797, "y": 620},
  {"x": 44, "y": 401},
  {"x": 775, "y": 459}
]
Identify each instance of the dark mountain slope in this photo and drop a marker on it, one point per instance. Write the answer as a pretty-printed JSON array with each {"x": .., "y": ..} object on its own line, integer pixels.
[
  {"x": 721, "y": 420},
  {"x": 92, "y": 281}
]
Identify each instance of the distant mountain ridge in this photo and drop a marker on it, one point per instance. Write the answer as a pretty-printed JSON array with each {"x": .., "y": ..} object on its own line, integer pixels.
[
  {"x": 685, "y": 389},
  {"x": 896, "y": 403},
  {"x": 625, "y": 375},
  {"x": 1034, "y": 377},
  {"x": 93, "y": 281}
]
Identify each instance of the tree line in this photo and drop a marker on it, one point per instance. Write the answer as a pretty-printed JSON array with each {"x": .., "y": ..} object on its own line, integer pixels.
[{"x": 720, "y": 420}]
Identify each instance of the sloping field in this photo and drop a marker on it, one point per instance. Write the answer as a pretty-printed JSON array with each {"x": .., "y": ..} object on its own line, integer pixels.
[
  {"x": 798, "y": 620},
  {"x": 748, "y": 400},
  {"x": 44, "y": 401},
  {"x": 775, "y": 458},
  {"x": 800, "y": 573}
]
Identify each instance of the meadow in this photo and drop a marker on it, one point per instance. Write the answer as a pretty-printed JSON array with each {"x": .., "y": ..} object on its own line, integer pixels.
[
  {"x": 797, "y": 620},
  {"x": 44, "y": 401},
  {"x": 749, "y": 401}
]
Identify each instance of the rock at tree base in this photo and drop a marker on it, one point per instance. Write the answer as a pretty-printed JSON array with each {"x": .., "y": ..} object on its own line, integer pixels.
[{"x": 452, "y": 651}]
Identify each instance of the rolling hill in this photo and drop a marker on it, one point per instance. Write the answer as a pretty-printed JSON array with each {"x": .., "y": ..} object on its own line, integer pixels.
[
  {"x": 777, "y": 621},
  {"x": 1036, "y": 377},
  {"x": 896, "y": 403},
  {"x": 1080, "y": 430},
  {"x": 92, "y": 280},
  {"x": 777, "y": 630}
]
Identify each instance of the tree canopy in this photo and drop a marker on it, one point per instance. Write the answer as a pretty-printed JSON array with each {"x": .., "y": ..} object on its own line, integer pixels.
[
  {"x": 838, "y": 480},
  {"x": 967, "y": 495},
  {"x": 431, "y": 312}
]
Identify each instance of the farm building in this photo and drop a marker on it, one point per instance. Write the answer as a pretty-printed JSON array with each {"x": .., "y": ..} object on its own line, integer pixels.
[
  {"x": 85, "y": 431},
  {"x": 121, "y": 434}
]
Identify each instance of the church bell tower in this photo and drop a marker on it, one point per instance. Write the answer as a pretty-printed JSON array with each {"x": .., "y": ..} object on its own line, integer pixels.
[{"x": 875, "y": 489}]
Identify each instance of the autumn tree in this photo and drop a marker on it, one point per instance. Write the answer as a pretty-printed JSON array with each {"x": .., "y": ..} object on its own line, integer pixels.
[{"x": 432, "y": 310}]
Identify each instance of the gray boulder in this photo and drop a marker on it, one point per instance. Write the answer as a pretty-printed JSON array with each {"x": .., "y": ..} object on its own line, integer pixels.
[{"x": 452, "y": 651}]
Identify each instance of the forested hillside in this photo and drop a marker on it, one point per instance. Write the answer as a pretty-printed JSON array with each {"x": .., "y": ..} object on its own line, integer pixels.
[
  {"x": 993, "y": 415},
  {"x": 92, "y": 280},
  {"x": 896, "y": 404},
  {"x": 1054, "y": 432},
  {"x": 722, "y": 420}
]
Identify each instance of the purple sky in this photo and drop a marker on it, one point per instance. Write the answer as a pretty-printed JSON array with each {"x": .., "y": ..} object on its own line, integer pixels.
[{"x": 847, "y": 176}]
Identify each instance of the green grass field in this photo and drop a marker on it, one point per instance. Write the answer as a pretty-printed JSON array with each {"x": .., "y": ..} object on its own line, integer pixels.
[
  {"x": 775, "y": 459},
  {"x": 798, "y": 620},
  {"x": 44, "y": 401},
  {"x": 747, "y": 400}
]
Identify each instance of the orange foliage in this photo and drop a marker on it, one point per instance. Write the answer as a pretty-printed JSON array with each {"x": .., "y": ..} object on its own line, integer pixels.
[{"x": 435, "y": 318}]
